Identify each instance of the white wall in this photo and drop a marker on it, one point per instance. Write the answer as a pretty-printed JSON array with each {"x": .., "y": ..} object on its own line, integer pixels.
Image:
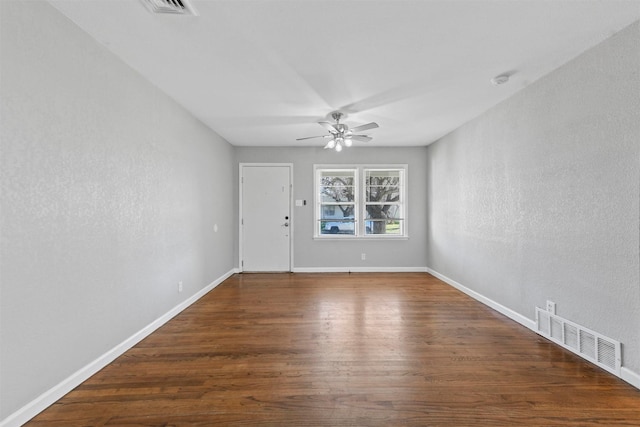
[
  {"x": 539, "y": 197},
  {"x": 310, "y": 254},
  {"x": 110, "y": 193}
]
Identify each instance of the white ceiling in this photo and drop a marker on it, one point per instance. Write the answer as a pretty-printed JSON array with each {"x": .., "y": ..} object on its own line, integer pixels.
[{"x": 262, "y": 73}]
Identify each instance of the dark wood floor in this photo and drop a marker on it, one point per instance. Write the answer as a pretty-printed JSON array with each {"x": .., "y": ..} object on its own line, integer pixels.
[{"x": 345, "y": 350}]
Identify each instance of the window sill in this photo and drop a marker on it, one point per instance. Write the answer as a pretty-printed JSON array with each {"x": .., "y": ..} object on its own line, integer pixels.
[{"x": 348, "y": 237}]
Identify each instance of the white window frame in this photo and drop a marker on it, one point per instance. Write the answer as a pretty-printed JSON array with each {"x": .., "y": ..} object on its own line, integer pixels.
[{"x": 360, "y": 202}]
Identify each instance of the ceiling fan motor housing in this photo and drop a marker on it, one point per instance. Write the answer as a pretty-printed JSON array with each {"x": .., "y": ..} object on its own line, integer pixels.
[{"x": 341, "y": 128}]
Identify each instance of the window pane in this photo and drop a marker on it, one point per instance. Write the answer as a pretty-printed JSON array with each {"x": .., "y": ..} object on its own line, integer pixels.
[
  {"x": 379, "y": 174},
  {"x": 346, "y": 226},
  {"x": 336, "y": 194},
  {"x": 337, "y": 186},
  {"x": 344, "y": 174},
  {"x": 379, "y": 193},
  {"x": 337, "y": 178},
  {"x": 384, "y": 212},
  {"x": 382, "y": 186},
  {"x": 337, "y": 212},
  {"x": 328, "y": 212},
  {"x": 388, "y": 227}
]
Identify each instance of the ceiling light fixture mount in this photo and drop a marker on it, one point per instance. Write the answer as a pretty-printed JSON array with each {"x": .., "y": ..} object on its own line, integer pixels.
[{"x": 341, "y": 135}]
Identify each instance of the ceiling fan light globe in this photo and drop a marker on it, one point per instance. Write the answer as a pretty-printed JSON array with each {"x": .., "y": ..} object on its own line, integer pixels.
[
  {"x": 331, "y": 144},
  {"x": 338, "y": 147},
  {"x": 348, "y": 142}
]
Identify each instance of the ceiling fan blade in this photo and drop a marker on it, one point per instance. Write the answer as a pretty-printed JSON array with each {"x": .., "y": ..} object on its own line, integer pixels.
[
  {"x": 328, "y": 126},
  {"x": 363, "y": 138},
  {"x": 311, "y": 137},
  {"x": 368, "y": 126}
]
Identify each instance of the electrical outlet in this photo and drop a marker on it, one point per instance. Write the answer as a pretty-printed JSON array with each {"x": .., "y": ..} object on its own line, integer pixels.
[
  {"x": 551, "y": 307},
  {"x": 363, "y": 256},
  {"x": 180, "y": 286}
]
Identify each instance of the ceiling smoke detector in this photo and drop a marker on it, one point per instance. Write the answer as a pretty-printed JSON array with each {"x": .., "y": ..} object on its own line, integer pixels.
[
  {"x": 179, "y": 7},
  {"x": 500, "y": 80}
]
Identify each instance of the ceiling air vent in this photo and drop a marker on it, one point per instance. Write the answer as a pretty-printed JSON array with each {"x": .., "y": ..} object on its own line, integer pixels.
[{"x": 181, "y": 7}]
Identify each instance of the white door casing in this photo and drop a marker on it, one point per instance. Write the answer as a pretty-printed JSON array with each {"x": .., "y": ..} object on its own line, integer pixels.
[{"x": 265, "y": 217}]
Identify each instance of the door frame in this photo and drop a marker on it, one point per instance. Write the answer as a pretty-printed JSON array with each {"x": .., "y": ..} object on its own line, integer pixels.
[{"x": 241, "y": 167}]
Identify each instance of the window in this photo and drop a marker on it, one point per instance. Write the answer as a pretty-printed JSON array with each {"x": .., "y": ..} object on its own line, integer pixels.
[
  {"x": 360, "y": 201},
  {"x": 336, "y": 201},
  {"x": 383, "y": 202}
]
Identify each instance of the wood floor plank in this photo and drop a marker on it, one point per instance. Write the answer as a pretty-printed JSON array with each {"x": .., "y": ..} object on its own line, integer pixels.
[{"x": 400, "y": 349}]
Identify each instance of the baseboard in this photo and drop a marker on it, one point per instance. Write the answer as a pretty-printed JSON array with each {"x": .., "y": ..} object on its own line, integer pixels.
[
  {"x": 359, "y": 270},
  {"x": 626, "y": 374},
  {"x": 631, "y": 377},
  {"x": 524, "y": 321},
  {"x": 39, "y": 404}
]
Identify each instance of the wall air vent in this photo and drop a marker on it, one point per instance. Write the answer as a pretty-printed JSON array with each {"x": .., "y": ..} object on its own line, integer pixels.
[
  {"x": 180, "y": 7},
  {"x": 592, "y": 346}
]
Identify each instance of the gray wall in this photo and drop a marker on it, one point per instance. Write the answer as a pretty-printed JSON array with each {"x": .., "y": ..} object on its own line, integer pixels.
[
  {"x": 310, "y": 253},
  {"x": 110, "y": 192},
  {"x": 538, "y": 198}
]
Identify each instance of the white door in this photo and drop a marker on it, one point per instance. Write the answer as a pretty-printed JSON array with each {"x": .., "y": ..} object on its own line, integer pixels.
[{"x": 265, "y": 217}]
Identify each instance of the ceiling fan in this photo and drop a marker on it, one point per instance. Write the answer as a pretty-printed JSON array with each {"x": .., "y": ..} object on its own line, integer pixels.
[{"x": 340, "y": 134}]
